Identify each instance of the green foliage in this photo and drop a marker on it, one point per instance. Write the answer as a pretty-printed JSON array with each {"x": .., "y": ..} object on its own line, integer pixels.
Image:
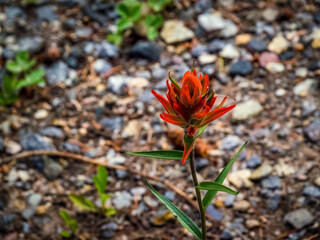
[
  {"x": 20, "y": 75},
  {"x": 159, "y": 5},
  {"x": 212, "y": 193},
  {"x": 130, "y": 12},
  {"x": 214, "y": 186},
  {"x": 183, "y": 219},
  {"x": 172, "y": 155},
  {"x": 100, "y": 181},
  {"x": 72, "y": 224}
]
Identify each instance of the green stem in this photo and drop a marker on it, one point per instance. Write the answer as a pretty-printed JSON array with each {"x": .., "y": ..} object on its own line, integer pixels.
[{"x": 201, "y": 207}]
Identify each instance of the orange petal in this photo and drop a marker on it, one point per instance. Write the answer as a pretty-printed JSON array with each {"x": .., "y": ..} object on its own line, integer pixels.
[
  {"x": 214, "y": 114},
  {"x": 200, "y": 115},
  {"x": 164, "y": 102},
  {"x": 205, "y": 84},
  {"x": 172, "y": 119}
]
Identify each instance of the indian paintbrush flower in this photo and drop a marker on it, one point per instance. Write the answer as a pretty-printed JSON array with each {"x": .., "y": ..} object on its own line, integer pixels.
[{"x": 191, "y": 106}]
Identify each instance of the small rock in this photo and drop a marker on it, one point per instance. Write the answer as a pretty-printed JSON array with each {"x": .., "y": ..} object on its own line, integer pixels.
[
  {"x": 229, "y": 30},
  {"x": 106, "y": 50},
  {"x": 112, "y": 123},
  {"x": 302, "y": 88},
  {"x": 214, "y": 213},
  {"x": 9, "y": 222},
  {"x": 229, "y": 51},
  {"x": 242, "y": 205},
  {"x": 241, "y": 67},
  {"x": 229, "y": 200},
  {"x": 28, "y": 213},
  {"x": 162, "y": 216},
  {"x": 207, "y": 59},
  {"x": 230, "y": 142},
  {"x": 261, "y": 172},
  {"x": 211, "y": 22},
  {"x": 107, "y": 235},
  {"x": 254, "y": 161},
  {"x": 114, "y": 158},
  {"x": 242, "y": 39},
  {"x": 150, "y": 202},
  {"x": 41, "y": 114},
  {"x": 313, "y": 131},
  {"x": 199, "y": 49},
  {"x": 278, "y": 44},
  {"x": 273, "y": 201},
  {"x": 280, "y": 92},
  {"x": 58, "y": 72},
  {"x": 246, "y": 110},
  {"x": 147, "y": 50},
  {"x": 270, "y": 14},
  {"x": 252, "y": 223},
  {"x": 301, "y": 72},
  {"x": 101, "y": 66},
  {"x": 32, "y": 141},
  {"x": 216, "y": 45},
  {"x": 226, "y": 234},
  {"x": 131, "y": 129},
  {"x": 13, "y": 147},
  {"x": 299, "y": 218},
  {"x": 317, "y": 181},
  {"x": 53, "y": 132},
  {"x": 268, "y": 57},
  {"x": 174, "y": 31},
  {"x": 272, "y": 182},
  {"x": 257, "y": 44},
  {"x": 312, "y": 191},
  {"x": 118, "y": 84},
  {"x": 31, "y": 44},
  {"x": 240, "y": 178},
  {"x": 45, "y": 13},
  {"x": 34, "y": 199},
  {"x": 308, "y": 108},
  {"x": 70, "y": 147},
  {"x": 83, "y": 32},
  {"x": 122, "y": 200},
  {"x": 274, "y": 67},
  {"x": 52, "y": 169}
]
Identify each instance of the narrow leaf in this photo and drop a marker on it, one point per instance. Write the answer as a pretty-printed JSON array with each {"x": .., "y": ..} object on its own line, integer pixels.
[
  {"x": 110, "y": 212},
  {"x": 211, "y": 194},
  {"x": 174, "y": 82},
  {"x": 65, "y": 234},
  {"x": 102, "y": 175},
  {"x": 65, "y": 216},
  {"x": 183, "y": 219},
  {"x": 172, "y": 155},
  {"x": 214, "y": 186},
  {"x": 82, "y": 202}
]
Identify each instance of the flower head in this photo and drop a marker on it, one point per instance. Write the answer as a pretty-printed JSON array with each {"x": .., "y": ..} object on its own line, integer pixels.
[{"x": 190, "y": 106}]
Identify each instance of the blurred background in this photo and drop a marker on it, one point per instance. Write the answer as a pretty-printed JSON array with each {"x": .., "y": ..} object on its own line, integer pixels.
[{"x": 76, "y": 77}]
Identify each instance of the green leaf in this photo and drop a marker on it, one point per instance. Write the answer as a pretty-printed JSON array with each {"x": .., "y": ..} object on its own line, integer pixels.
[
  {"x": 158, "y": 5},
  {"x": 13, "y": 67},
  {"x": 201, "y": 130},
  {"x": 214, "y": 186},
  {"x": 124, "y": 23},
  {"x": 115, "y": 38},
  {"x": 65, "y": 216},
  {"x": 129, "y": 9},
  {"x": 154, "y": 20},
  {"x": 82, "y": 202},
  {"x": 110, "y": 212},
  {"x": 172, "y": 155},
  {"x": 104, "y": 197},
  {"x": 65, "y": 234},
  {"x": 174, "y": 82},
  {"x": 73, "y": 225},
  {"x": 22, "y": 59},
  {"x": 101, "y": 179},
  {"x": 211, "y": 194},
  {"x": 32, "y": 78},
  {"x": 152, "y": 33},
  {"x": 183, "y": 219}
]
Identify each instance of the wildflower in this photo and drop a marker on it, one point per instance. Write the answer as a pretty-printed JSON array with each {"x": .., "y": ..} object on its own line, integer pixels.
[{"x": 190, "y": 106}]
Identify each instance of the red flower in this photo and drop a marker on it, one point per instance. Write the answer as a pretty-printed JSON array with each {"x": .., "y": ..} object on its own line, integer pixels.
[{"x": 190, "y": 106}]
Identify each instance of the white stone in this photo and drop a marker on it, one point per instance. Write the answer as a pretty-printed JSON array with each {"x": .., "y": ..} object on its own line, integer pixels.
[
  {"x": 301, "y": 72},
  {"x": 229, "y": 51},
  {"x": 275, "y": 67},
  {"x": 302, "y": 88},
  {"x": 207, "y": 58},
  {"x": 240, "y": 178},
  {"x": 280, "y": 92},
  {"x": 246, "y": 110},
  {"x": 41, "y": 114},
  {"x": 211, "y": 22},
  {"x": 174, "y": 31},
  {"x": 278, "y": 44}
]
